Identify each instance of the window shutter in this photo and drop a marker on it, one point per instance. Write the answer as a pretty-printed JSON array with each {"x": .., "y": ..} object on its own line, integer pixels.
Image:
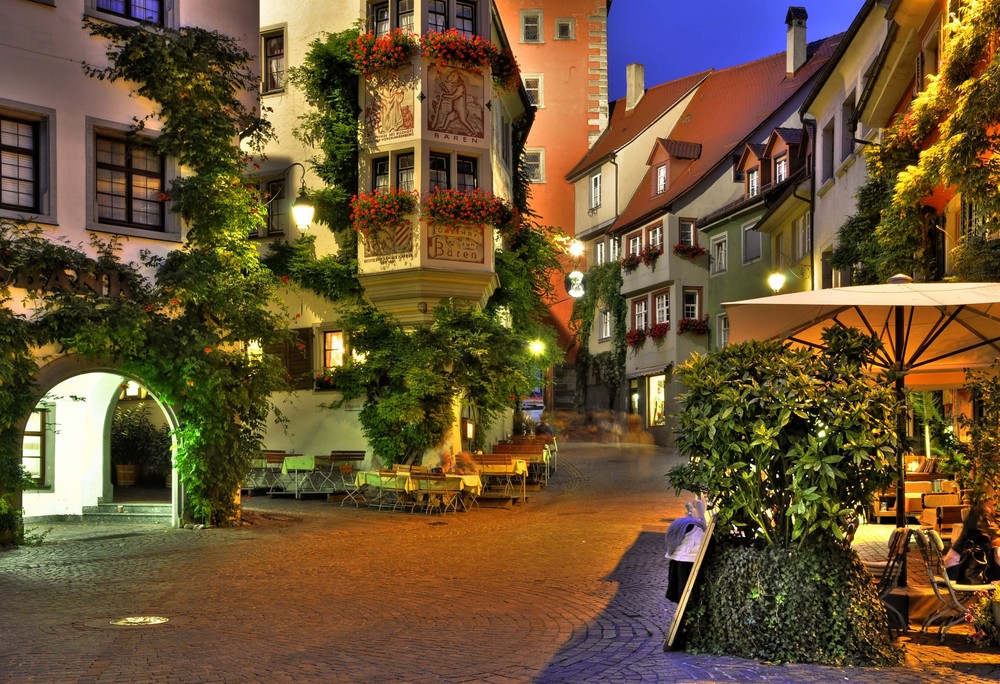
[{"x": 296, "y": 357}]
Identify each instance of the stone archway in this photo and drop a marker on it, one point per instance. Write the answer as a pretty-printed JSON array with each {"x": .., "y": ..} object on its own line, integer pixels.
[{"x": 78, "y": 398}]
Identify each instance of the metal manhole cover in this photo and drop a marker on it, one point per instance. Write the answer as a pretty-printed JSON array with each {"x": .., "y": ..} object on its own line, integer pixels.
[{"x": 139, "y": 621}]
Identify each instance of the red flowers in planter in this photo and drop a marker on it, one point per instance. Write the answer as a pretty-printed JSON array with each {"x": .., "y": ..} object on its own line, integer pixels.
[
  {"x": 630, "y": 262},
  {"x": 372, "y": 54},
  {"x": 689, "y": 251},
  {"x": 636, "y": 337},
  {"x": 380, "y": 209},
  {"x": 650, "y": 254},
  {"x": 455, "y": 49},
  {"x": 324, "y": 380},
  {"x": 693, "y": 326},
  {"x": 442, "y": 207},
  {"x": 658, "y": 331}
]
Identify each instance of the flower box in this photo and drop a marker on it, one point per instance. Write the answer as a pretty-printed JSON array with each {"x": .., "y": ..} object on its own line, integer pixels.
[
  {"x": 324, "y": 381},
  {"x": 443, "y": 207},
  {"x": 452, "y": 48},
  {"x": 373, "y": 54},
  {"x": 630, "y": 262},
  {"x": 689, "y": 251},
  {"x": 635, "y": 338},
  {"x": 649, "y": 255},
  {"x": 658, "y": 331},
  {"x": 382, "y": 209},
  {"x": 693, "y": 326}
]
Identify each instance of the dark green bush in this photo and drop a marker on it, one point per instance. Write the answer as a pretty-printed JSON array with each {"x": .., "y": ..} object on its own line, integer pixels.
[{"x": 816, "y": 604}]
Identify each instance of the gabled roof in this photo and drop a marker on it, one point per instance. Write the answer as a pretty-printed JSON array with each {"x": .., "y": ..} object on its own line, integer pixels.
[
  {"x": 677, "y": 149},
  {"x": 624, "y": 125},
  {"x": 756, "y": 149},
  {"x": 728, "y": 106},
  {"x": 791, "y": 136}
]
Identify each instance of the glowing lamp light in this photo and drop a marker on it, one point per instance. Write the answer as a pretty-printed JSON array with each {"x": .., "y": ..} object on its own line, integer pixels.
[
  {"x": 575, "y": 249},
  {"x": 776, "y": 281},
  {"x": 536, "y": 347},
  {"x": 303, "y": 209}
]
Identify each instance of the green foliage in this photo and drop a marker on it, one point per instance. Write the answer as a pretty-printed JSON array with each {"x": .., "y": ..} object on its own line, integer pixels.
[
  {"x": 329, "y": 82},
  {"x": 816, "y": 604},
  {"x": 790, "y": 444},
  {"x": 982, "y": 434},
  {"x": 962, "y": 105},
  {"x": 135, "y": 440},
  {"x": 332, "y": 276},
  {"x": 411, "y": 380},
  {"x": 604, "y": 284},
  {"x": 859, "y": 248}
]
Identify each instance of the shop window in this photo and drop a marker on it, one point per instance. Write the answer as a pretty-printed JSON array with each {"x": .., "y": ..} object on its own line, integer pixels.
[{"x": 657, "y": 400}]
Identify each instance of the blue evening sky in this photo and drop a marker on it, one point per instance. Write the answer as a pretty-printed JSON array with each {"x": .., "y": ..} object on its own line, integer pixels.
[{"x": 674, "y": 38}]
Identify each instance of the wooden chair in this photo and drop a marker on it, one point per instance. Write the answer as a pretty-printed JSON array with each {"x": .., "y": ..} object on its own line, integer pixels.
[{"x": 953, "y": 597}]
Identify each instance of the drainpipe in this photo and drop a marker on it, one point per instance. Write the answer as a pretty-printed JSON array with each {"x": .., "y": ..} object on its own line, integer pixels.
[{"x": 811, "y": 124}]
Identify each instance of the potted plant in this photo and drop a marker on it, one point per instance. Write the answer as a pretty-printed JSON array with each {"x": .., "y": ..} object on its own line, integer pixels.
[
  {"x": 658, "y": 331},
  {"x": 650, "y": 254},
  {"x": 689, "y": 251},
  {"x": 693, "y": 326},
  {"x": 374, "y": 54},
  {"x": 137, "y": 446},
  {"x": 636, "y": 338},
  {"x": 630, "y": 262},
  {"x": 324, "y": 380}
]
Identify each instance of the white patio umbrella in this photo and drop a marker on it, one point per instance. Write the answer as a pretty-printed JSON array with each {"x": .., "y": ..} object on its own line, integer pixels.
[{"x": 931, "y": 332}]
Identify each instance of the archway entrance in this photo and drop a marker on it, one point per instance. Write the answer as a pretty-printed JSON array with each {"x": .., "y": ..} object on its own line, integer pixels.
[{"x": 68, "y": 441}]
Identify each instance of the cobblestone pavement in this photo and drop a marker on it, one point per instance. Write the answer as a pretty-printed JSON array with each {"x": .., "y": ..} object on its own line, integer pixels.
[{"x": 567, "y": 588}]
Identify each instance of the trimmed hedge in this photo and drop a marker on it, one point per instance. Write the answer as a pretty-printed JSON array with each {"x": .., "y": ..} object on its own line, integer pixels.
[{"x": 811, "y": 605}]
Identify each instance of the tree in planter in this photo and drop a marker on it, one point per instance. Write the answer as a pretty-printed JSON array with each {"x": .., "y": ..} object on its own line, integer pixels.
[
  {"x": 791, "y": 445},
  {"x": 136, "y": 441}
]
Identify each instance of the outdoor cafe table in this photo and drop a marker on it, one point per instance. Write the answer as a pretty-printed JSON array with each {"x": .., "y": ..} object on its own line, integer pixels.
[
  {"x": 303, "y": 469},
  {"x": 518, "y": 467},
  {"x": 468, "y": 486}
]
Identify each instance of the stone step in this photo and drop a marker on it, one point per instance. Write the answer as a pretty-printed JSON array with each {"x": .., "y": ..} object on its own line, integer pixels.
[{"x": 127, "y": 512}]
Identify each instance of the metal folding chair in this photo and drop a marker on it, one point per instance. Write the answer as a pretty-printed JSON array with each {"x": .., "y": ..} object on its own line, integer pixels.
[{"x": 952, "y": 596}]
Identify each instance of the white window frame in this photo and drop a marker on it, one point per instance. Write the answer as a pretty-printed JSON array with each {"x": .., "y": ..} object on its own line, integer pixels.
[
  {"x": 569, "y": 23},
  {"x": 539, "y": 165},
  {"x": 604, "y": 329},
  {"x": 654, "y": 236},
  {"x": 753, "y": 182},
  {"x": 534, "y": 84},
  {"x": 747, "y": 257},
  {"x": 640, "y": 313},
  {"x": 595, "y": 190},
  {"x": 635, "y": 243},
  {"x": 691, "y": 307},
  {"x": 600, "y": 253},
  {"x": 661, "y": 306},
  {"x": 722, "y": 329},
  {"x": 781, "y": 168},
  {"x": 687, "y": 226},
  {"x": 719, "y": 255},
  {"x": 614, "y": 248},
  {"x": 533, "y": 16},
  {"x": 661, "y": 179}
]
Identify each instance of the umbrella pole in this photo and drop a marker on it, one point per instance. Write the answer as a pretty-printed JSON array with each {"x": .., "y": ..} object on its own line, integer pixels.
[{"x": 900, "y": 434}]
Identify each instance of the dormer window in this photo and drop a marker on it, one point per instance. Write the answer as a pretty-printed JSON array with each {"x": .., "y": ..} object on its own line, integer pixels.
[
  {"x": 780, "y": 169},
  {"x": 753, "y": 182},
  {"x": 661, "y": 179}
]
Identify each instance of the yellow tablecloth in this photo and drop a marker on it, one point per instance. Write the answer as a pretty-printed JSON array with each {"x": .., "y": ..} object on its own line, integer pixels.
[
  {"x": 374, "y": 478},
  {"x": 518, "y": 466},
  {"x": 471, "y": 484}
]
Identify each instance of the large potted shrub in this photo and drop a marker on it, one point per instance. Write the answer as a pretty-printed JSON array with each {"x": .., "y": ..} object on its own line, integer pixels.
[
  {"x": 138, "y": 447},
  {"x": 791, "y": 446}
]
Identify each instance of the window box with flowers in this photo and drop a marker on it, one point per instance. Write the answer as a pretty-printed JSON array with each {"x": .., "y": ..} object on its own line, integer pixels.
[
  {"x": 689, "y": 251},
  {"x": 382, "y": 210},
  {"x": 373, "y": 55},
  {"x": 693, "y": 326},
  {"x": 324, "y": 380},
  {"x": 635, "y": 338},
  {"x": 658, "y": 331},
  {"x": 444, "y": 207},
  {"x": 630, "y": 262},
  {"x": 650, "y": 254},
  {"x": 452, "y": 48}
]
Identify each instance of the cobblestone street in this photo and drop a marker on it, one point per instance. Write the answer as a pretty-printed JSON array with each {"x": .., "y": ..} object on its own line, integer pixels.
[{"x": 566, "y": 588}]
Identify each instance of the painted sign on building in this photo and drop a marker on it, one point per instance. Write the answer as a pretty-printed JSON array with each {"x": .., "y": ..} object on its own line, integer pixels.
[
  {"x": 464, "y": 244},
  {"x": 456, "y": 110}
]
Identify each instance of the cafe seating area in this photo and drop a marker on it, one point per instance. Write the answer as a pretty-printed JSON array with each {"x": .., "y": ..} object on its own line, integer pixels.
[{"x": 280, "y": 472}]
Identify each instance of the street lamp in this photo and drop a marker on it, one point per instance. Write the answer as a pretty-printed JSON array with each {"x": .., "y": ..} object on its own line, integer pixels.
[
  {"x": 776, "y": 281},
  {"x": 302, "y": 208},
  {"x": 536, "y": 347}
]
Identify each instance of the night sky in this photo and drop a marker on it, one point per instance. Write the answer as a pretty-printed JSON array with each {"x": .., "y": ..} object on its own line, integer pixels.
[{"x": 674, "y": 38}]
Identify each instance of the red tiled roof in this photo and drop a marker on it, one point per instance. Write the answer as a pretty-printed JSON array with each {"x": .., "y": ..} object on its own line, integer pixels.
[
  {"x": 792, "y": 136},
  {"x": 678, "y": 149},
  {"x": 623, "y": 125},
  {"x": 727, "y": 107}
]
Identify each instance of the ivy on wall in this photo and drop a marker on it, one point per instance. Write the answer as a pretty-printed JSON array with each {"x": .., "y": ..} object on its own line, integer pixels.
[{"x": 604, "y": 283}]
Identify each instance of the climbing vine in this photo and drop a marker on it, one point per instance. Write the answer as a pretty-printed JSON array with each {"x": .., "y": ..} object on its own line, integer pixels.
[
  {"x": 962, "y": 105},
  {"x": 603, "y": 291}
]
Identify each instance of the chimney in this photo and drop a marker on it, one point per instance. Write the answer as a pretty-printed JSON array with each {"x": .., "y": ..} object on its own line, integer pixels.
[
  {"x": 635, "y": 84},
  {"x": 795, "y": 53}
]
